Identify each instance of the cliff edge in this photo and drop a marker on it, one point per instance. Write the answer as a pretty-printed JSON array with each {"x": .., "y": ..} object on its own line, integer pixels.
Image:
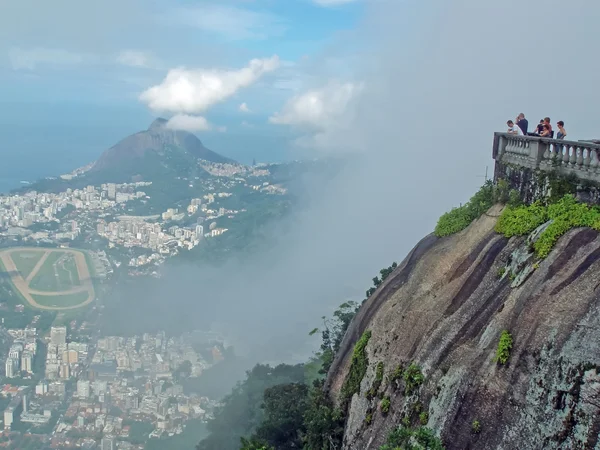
[{"x": 443, "y": 310}]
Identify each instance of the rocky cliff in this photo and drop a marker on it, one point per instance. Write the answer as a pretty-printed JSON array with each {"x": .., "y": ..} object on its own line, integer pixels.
[{"x": 444, "y": 309}]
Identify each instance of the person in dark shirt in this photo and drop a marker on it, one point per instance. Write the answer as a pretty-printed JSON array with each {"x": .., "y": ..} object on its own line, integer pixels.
[{"x": 522, "y": 123}]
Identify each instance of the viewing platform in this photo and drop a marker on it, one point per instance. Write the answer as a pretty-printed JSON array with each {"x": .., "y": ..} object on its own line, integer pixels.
[{"x": 580, "y": 158}]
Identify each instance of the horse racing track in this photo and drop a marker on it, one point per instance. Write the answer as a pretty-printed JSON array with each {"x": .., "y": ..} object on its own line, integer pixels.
[{"x": 54, "y": 279}]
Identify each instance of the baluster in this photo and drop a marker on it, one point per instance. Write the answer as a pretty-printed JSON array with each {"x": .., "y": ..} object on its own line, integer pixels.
[
  {"x": 579, "y": 157},
  {"x": 594, "y": 160},
  {"x": 547, "y": 154},
  {"x": 572, "y": 155},
  {"x": 586, "y": 158},
  {"x": 566, "y": 156}
]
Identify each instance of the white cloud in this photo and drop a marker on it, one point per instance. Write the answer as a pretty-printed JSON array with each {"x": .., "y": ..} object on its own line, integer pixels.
[
  {"x": 231, "y": 22},
  {"x": 332, "y": 2},
  {"x": 29, "y": 59},
  {"x": 188, "y": 123},
  {"x": 135, "y": 58},
  {"x": 193, "y": 91},
  {"x": 244, "y": 108},
  {"x": 318, "y": 108}
]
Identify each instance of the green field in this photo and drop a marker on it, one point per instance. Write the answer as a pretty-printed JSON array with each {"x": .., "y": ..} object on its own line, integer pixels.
[
  {"x": 67, "y": 272},
  {"x": 58, "y": 273},
  {"x": 46, "y": 279},
  {"x": 26, "y": 260},
  {"x": 62, "y": 301}
]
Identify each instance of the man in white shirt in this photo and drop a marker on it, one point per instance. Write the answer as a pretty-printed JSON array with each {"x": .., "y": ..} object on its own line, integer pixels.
[{"x": 514, "y": 129}]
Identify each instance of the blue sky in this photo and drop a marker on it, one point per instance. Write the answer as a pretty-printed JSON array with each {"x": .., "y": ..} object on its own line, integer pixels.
[{"x": 79, "y": 68}]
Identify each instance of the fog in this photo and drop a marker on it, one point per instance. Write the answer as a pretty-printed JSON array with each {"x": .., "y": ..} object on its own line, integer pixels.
[{"x": 439, "y": 79}]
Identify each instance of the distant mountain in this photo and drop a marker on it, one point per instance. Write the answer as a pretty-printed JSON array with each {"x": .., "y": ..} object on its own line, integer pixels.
[{"x": 155, "y": 146}]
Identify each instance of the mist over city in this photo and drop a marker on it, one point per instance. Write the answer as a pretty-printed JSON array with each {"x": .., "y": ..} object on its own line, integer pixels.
[{"x": 188, "y": 188}]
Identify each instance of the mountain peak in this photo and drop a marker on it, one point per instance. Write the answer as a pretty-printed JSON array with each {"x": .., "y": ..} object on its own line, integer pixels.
[{"x": 158, "y": 123}]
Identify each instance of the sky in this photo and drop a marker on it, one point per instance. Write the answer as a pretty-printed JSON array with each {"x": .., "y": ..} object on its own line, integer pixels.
[
  {"x": 119, "y": 63},
  {"x": 411, "y": 90}
]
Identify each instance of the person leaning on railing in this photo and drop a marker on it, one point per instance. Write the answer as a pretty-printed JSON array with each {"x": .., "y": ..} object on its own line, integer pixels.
[
  {"x": 562, "y": 133},
  {"x": 514, "y": 129}
]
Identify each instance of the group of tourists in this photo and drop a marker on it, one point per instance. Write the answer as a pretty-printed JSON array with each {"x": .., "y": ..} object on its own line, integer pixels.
[{"x": 520, "y": 127}]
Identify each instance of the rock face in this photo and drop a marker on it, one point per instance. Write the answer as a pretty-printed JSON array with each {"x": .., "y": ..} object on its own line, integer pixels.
[
  {"x": 153, "y": 141},
  {"x": 444, "y": 309}
]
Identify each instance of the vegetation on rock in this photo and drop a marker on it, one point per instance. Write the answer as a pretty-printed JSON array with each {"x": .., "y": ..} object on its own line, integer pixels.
[
  {"x": 565, "y": 214},
  {"x": 412, "y": 439},
  {"x": 476, "y": 426},
  {"x": 377, "y": 281},
  {"x": 358, "y": 368},
  {"x": 374, "y": 390},
  {"x": 504, "y": 347},
  {"x": 385, "y": 405},
  {"x": 457, "y": 219},
  {"x": 413, "y": 378}
]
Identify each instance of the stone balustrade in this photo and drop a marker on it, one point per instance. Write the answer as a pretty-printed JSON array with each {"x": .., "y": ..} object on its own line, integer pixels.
[{"x": 567, "y": 157}]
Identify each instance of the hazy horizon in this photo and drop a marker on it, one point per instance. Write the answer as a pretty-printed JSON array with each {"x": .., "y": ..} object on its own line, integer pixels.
[{"x": 412, "y": 91}]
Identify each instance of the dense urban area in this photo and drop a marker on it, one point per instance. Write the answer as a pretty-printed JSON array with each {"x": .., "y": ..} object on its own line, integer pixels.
[{"x": 65, "y": 384}]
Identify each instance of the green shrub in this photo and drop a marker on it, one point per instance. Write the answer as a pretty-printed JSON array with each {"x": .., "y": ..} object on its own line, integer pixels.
[
  {"x": 476, "y": 426},
  {"x": 521, "y": 220},
  {"x": 424, "y": 418},
  {"x": 566, "y": 213},
  {"x": 504, "y": 347},
  {"x": 421, "y": 438},
  {"x": 358, "y": 368},
  {"x": 413, "y": 378},
  {"x": 457, "y": 219},
  {"x": 385, "y": 405},
  {"x": 374, "y": 390},
  {"x": 396, "y": 375}
]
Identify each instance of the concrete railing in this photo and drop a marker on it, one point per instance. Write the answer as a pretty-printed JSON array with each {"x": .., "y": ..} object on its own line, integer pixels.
[{"x": 578, "y": 157}]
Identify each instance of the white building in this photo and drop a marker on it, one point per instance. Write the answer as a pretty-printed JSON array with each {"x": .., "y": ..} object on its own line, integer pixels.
[
  {"x": 83, "y": 388},
  {"x": 58, "y": 335}
]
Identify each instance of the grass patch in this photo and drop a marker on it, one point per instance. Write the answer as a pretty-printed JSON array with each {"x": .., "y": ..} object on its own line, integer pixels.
[
  {"x": 358, "y": 368},
  {"x": 565, "y": 214},
  {"x": 26, "y": 260},
  {"x": 61, "y": 301},
  {"x": 45, "y": 279},
  {"x": 385, "y": 405},
  {"x": 407, "y": 438},
  {"x": 504, "y": 347}
]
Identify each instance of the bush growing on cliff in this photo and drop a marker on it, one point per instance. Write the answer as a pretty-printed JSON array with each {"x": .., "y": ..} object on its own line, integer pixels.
[
  {"x": 421, "y": 438},
  {"x": 567, "y": 213},
  {"x": 385, "y": 405},
  {"x": 358, "y": 368},
  {"x": 504, "y": 347},
  {"x": 457, "y": 219},
  {"x": 413, "y": 378}
]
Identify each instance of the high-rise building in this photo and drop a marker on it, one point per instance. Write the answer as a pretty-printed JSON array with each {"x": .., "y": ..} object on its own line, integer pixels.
[
  {"x": 80, "y": 421},
  {"x": 112, "y": 191},
  {"x": 83, "y": 388},
  {"x": 25, "y": 403},
  {"x": 11, "y": 367},
  {"x": 58, "y": 335},
  {"x": 27, "y": 362},
  {"x": 107, "y": 443},
  {"x": 64, "y": 371}
]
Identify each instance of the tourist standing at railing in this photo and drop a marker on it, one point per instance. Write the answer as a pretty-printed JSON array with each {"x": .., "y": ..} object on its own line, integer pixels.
[
  {"x": 522, "y": 123},
  {"x": 562, "y": 133},
  {"x": 513, "y": 129},
  {"x": 547, "y": 122}
]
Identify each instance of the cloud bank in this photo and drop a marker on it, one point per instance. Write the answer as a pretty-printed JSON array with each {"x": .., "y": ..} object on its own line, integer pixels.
[{"x": 194, "y": 91}]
